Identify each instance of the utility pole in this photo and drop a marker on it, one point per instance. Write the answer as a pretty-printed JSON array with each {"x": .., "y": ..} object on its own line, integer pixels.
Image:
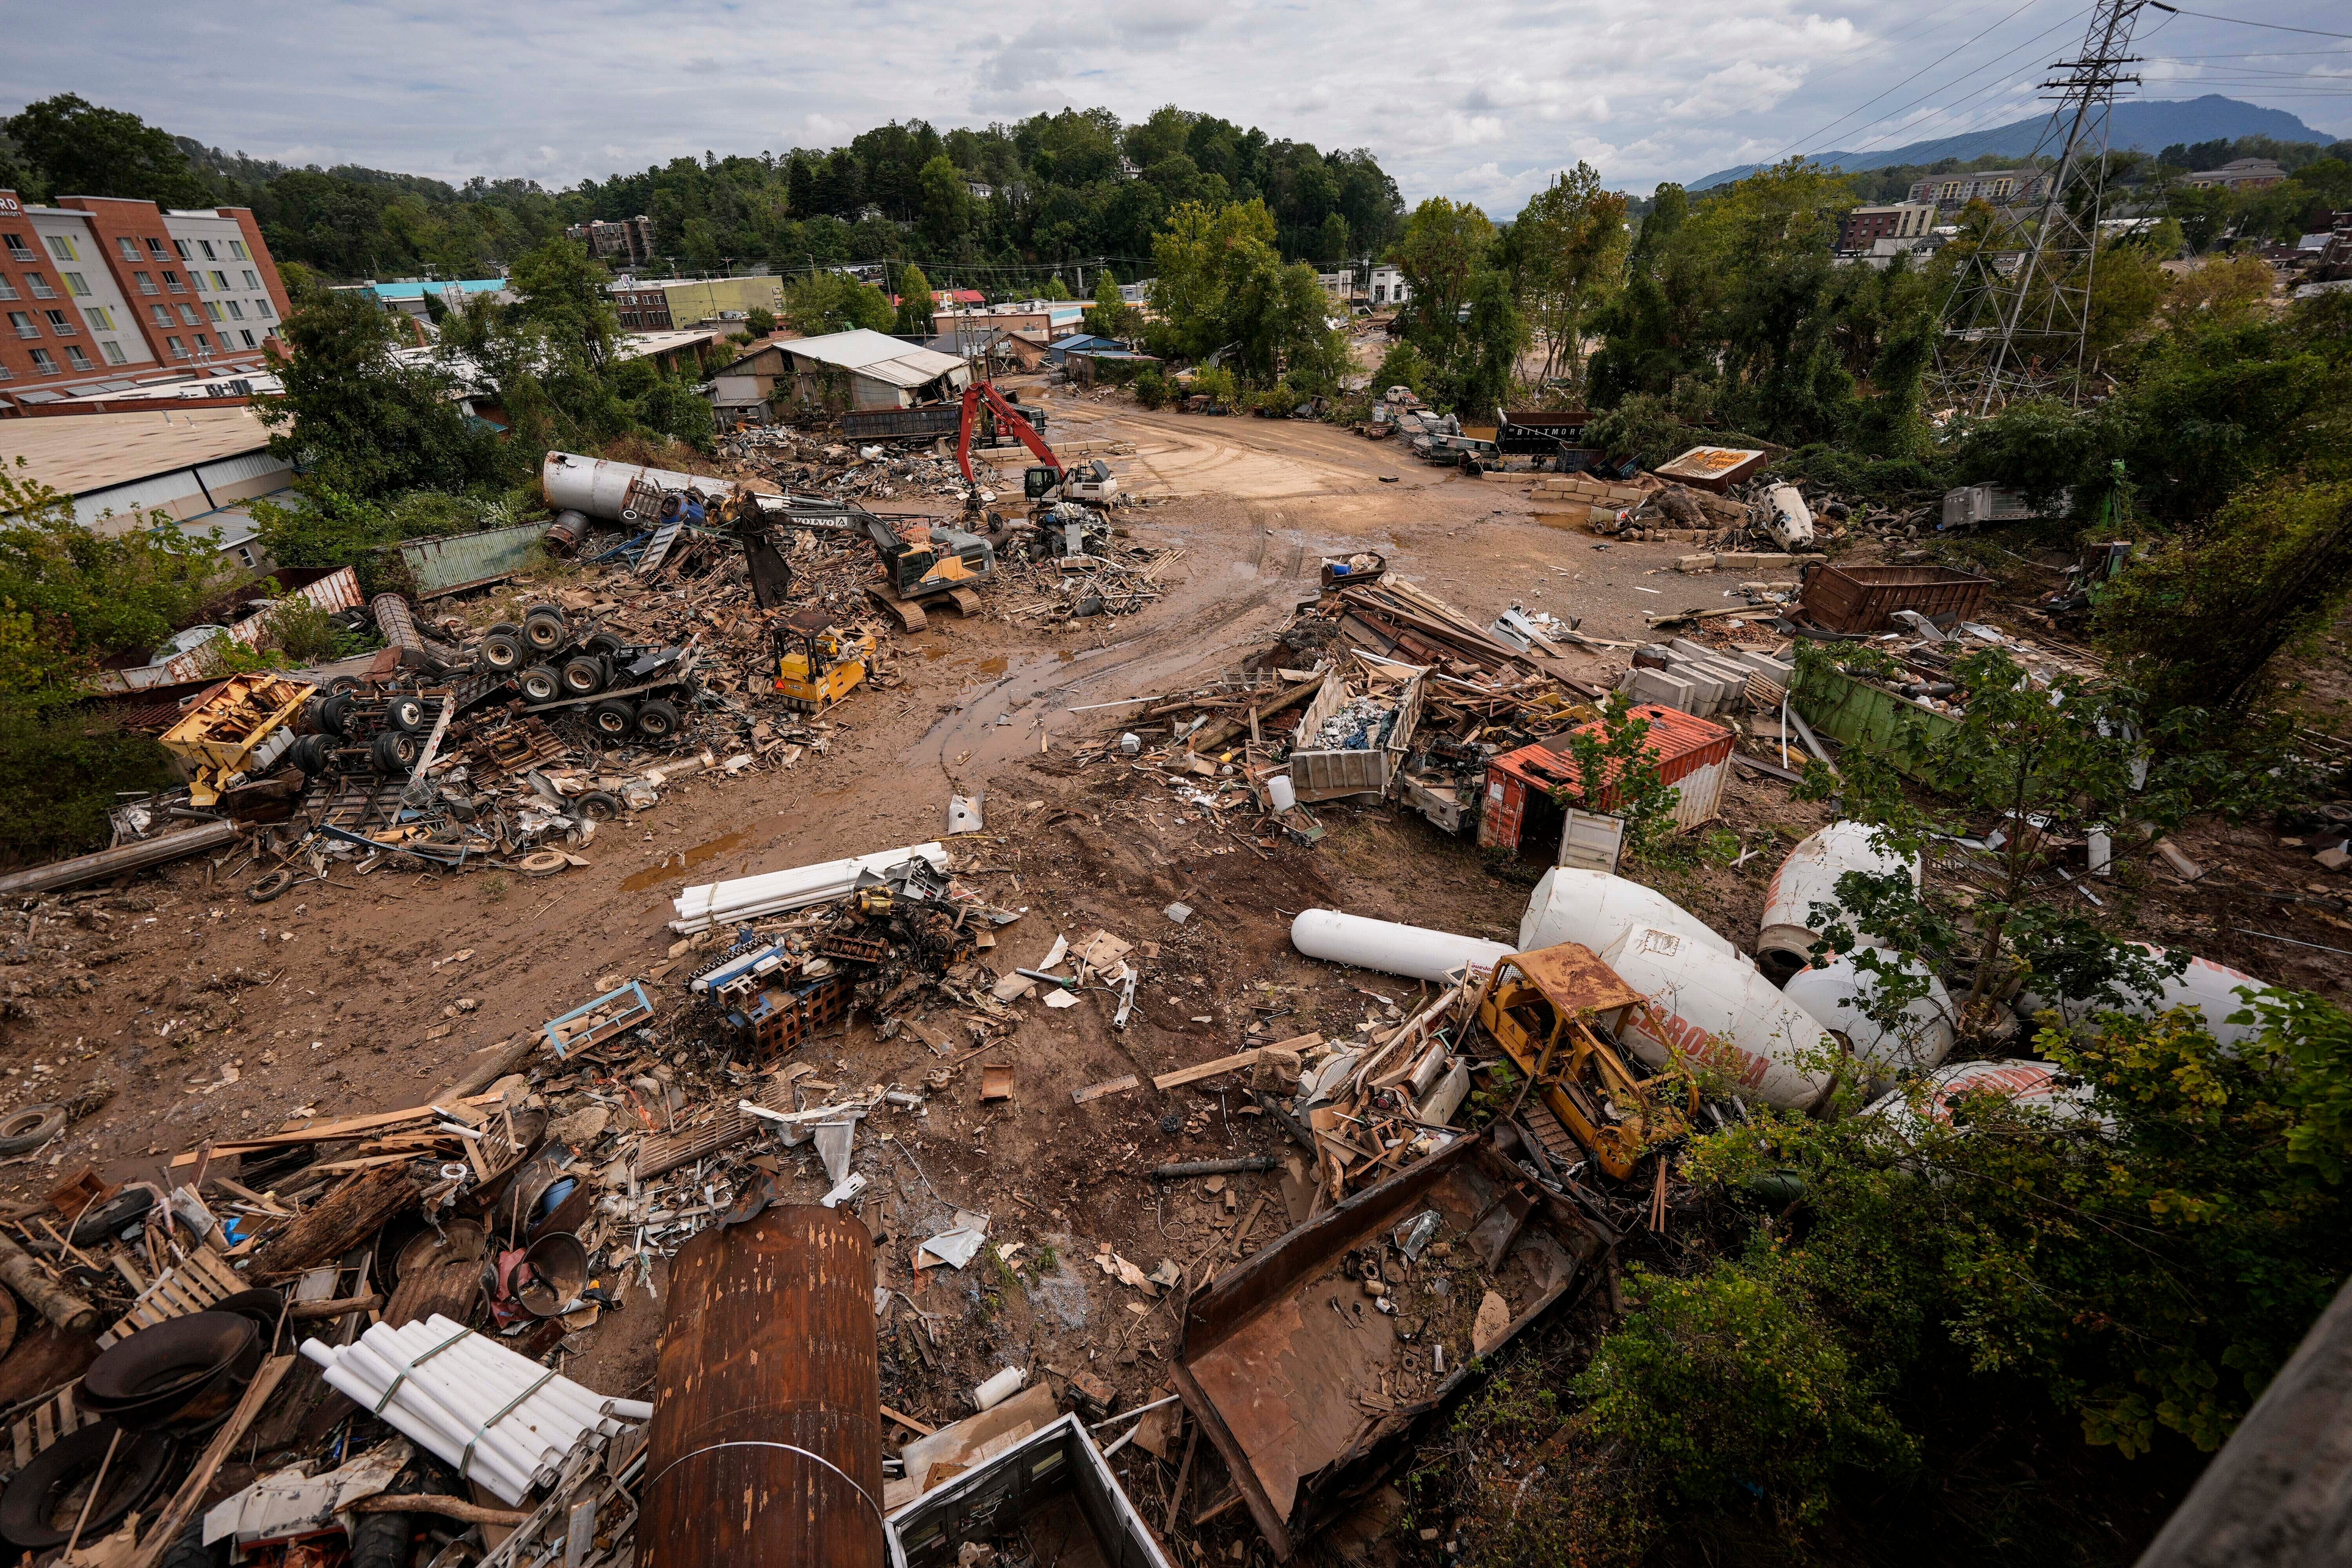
[{"x": 2018, "y": 320}]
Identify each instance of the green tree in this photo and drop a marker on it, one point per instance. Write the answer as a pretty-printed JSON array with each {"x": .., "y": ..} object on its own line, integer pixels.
[
  {"x": 1445, "y": 242},
  {"x": 363, "y": 422},
  {"x": 1223, "y": 284},
  {"x": 1403, "y": 365},
  {"x": 1054, "y": 287},
  {"x": 760, "y": 320},
  {"x": 1572, "y": 234},
  {"x": 833, "y": 303},
  {"x": 81, "y": 150},
  {"x": 947, "y": 202},
  {"x": 564, "y": 292},
  {"x": 915, "y": 301},
  {"x": 1110, "y": 315}
]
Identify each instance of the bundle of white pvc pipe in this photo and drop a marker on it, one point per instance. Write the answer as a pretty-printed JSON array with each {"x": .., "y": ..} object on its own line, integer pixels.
[
  {"x": 501, "y": 1419},
  {"x": 773, "y": 892}
]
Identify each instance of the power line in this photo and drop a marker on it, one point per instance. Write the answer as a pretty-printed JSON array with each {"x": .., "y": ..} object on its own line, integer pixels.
[
  {"x": 1945, "y": 86},
  {"x": 1915, "y": 76},
  {"x": 2240, "y": 21}
]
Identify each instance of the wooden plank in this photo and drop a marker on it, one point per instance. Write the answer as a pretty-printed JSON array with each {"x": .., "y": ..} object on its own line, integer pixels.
[
  {"x": 1193, "y": 1074},
  {"x": 174, "y": 1518},
  {"x": 909, "y": 1422},
  {"x": 327, "y": 1131},
  {"x": 1097, "y": 1090}
]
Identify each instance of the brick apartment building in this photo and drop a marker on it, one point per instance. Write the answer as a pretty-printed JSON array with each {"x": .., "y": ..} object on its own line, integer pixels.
[
  {"x": 1904, "y": 220},
  {"x": 630, "y": 238},
  {"x": 99, "y": 291}
]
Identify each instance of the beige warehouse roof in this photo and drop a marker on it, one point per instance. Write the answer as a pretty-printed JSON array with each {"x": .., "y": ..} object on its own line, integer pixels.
[
  {"x": 873, "y": 354},
  {"x": 79, "y": 453}
]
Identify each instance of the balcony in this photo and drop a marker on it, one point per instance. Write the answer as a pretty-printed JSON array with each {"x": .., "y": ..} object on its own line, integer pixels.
[
  {"x": 40, "y": 290},
  {"x": 28, "y": 331},
  {"x": 147, "y": 285}
]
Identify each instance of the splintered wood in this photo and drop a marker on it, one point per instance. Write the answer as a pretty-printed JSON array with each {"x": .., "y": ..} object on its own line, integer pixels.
[{"x": 192, "y": 1287}]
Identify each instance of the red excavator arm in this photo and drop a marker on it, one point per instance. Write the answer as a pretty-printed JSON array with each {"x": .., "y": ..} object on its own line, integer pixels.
[{"x": 1007, "y": 418}]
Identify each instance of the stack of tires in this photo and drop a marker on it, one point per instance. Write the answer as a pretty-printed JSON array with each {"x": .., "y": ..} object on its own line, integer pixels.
[
  {"x": 547, "y": 665},
  {"x": 349, "y": 731}
]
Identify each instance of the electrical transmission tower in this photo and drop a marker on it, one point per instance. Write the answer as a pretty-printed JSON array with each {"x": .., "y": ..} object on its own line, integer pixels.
[{"x": 2018, "y": 317}]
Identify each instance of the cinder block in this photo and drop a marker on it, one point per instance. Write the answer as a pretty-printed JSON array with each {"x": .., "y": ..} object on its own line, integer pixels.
[
  {"x": 1662, "y": 687},
  {"x": 1704, "y": 561}
]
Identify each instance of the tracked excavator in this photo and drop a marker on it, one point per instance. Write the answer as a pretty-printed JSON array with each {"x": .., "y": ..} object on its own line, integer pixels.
[{"x": 1046, "y": 481}]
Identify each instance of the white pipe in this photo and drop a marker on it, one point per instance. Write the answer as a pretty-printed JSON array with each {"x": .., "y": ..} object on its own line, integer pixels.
[
  {"x": 636, "y": 1410},
  {"x": 773, "y": 892},
  {"x": 576, "y": 1405},
  {"x": 420, "y": 1419},
  {"x": 409, "y": 1425},
  {"x": 1415, "y": 951},
  {"x": 549, "y": 1420},
  {"x": 457, "y": 1406}
]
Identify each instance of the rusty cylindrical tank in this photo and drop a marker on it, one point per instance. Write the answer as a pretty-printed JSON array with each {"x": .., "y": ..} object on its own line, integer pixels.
[{"x": 768, "y": 1345}]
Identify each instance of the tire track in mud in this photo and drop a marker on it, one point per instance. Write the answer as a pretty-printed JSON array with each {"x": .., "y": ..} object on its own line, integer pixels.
[{"x": 1205, "y": 618}]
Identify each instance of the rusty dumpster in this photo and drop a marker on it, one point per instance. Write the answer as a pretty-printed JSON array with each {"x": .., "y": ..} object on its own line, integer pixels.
[
  {"x": 1863, "y": 599},
  {"x": 1312, "y": 1391}
]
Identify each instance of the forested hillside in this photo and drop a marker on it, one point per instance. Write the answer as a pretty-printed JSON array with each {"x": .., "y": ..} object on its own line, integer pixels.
[{"x": 1007, "y": 203}]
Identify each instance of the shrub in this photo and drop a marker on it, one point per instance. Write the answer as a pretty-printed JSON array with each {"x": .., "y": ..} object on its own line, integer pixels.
[{"x": 1151, "y": 388}]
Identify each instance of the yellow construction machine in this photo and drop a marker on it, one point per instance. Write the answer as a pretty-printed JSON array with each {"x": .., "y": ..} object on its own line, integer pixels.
[
  {"x": 817, "y": 662},
  {"x": 1555, "y": 1012}
]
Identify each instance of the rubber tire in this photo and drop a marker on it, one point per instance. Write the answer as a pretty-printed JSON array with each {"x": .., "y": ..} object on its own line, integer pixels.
[
  {"x": 540, "y": 683},
  {"x": 605, "y": 642},
  {"x": 380, "y": 1539},
  {"x": 270, "y": 887},
  {"x": 140, "y": 1462},
  {"x": 407, "y": 713},
  {"x": 615, "y": 719},
  {"x": 395, "y": 752},
  {"x": 331, "y": 713},
  {"x": 544, "y": 607},
  {"x": 189, "y": 1550},
  {"x": 584, "y": 676},
  {"x": 30, "y": 1129},
  {"x": 597, "y": 805},
  {"x": 658, "y": 719},
  {"x": 503, "y": 652},
  {"x": 309, "y": 753},
  {"x": 545, "y": 634},
  {"x": 112, "y": 1216}
]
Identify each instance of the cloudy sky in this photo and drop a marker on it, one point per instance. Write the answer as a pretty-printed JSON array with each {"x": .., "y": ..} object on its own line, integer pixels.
[{"x": 1476, "y": 98}]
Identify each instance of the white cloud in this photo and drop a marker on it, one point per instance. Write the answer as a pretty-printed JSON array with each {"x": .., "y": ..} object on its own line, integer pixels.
[{"x": 1480, "y": 97}]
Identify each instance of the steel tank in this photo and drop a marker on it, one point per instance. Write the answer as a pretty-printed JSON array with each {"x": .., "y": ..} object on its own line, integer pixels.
[
  {"x": 765, "y": 1449},
  {"x": 2205, "y": 987},
  {"x": 1594, "y": 908},
  {"x": 596, "y": 488},
  {"x": 1717, "y": 1012},
  {"x": 1809, "y": 876},
  {"x": 1921, "y": 1037}
]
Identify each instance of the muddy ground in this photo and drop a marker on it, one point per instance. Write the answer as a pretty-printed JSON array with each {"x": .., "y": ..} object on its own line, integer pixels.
[{"x": 360, "y": 995}]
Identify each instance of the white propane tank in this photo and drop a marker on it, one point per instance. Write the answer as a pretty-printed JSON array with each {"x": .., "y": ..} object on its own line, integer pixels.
[
  {"x": 2028, "y": 1083},
  {"x": 2205, "y": 987},
  {"x": 1837, "y": 995},
  {"x": 1809, "y": 876},
  {"x": 591, "y": 485},
  {"x": 1718, "y": 1012},
  {"x": 1281, "y": 792},
  {"x": 1594, "y": 908},
  {"x": 1415, "y": 951},
  {"x": 1792, "y": 520}
]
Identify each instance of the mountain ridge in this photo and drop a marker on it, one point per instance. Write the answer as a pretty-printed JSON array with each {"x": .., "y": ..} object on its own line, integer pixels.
[{"x": 2145, "y": 124}]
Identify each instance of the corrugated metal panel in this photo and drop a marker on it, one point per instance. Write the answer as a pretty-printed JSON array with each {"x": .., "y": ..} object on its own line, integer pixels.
[
  {"x": 91, "y": 509},
  {"x": 769, "y": 1340},
  {"x": 247, "y": 466},
  {"x": 444, "y": 566}
]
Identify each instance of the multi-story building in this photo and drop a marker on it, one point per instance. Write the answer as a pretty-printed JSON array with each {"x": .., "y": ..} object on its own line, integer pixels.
[
  {"x": 631, "y": 239},
  {"x": 2240, "y": 175},
  {"x": 99, "y": 291},
  {"x": 660, "y": 305},
  {"x": 1904, "y": 220},
  {"x": 2002, "y": 187}
]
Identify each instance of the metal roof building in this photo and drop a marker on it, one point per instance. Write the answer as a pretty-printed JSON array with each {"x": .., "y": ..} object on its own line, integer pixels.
[{"x": 873, "y": 369}]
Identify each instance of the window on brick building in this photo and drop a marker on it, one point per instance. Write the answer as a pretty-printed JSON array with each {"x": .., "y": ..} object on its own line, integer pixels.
[
  {"x": 81, "y": 361},
  {"x": 128, "y": 246},
  {"x": 44, "y": 363},
  {"x": 179, "y": 349},
  {"x": 17, "y": 250},
  {"x": 146, "y": 283}
]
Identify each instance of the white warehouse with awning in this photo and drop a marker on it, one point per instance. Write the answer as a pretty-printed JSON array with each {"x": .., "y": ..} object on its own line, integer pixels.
[{"x": 875, "y": 370}]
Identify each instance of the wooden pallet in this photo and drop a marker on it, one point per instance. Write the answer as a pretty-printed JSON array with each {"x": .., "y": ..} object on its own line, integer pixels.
[
  {"x": 193, "y": 1286},
  {"x": 54, "y": 1418}
]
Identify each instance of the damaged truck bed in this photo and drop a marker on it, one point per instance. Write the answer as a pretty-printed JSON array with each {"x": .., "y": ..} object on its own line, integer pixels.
[{"x": 1311, "y": 1388}]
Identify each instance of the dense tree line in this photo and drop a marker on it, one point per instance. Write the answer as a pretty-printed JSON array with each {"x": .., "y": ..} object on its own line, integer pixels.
[{"x": 1005, "y": 205}]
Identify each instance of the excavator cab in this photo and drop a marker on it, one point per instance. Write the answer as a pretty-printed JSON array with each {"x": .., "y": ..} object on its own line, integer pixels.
[{"x": 1038, "y": 483}]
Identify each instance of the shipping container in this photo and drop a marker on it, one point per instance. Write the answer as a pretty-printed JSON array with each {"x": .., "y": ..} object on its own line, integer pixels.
[
  {"x": 1527, "y": 790},
  {"x": 1860, "y": 599}
]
